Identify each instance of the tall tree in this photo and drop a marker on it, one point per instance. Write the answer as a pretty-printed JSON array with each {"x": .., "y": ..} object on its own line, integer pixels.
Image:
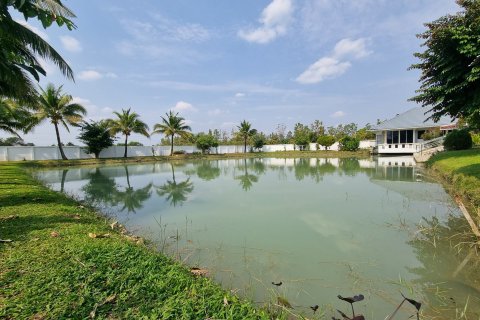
[
  {"x": 245, "y": 131},
  {"x": 450, "y": 65},
  {"x": 127, "y": 123},
  {"x": 172, "y": 125},
  {"x": 52, "y": 104},
  {"x": 14, "y": 118},
  {"x": 20, "y": 47}
]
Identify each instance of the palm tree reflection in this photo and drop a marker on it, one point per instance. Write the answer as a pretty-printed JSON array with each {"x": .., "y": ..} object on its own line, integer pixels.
[
  {"x": 246, "y": 180},
  {"x": 175, "y": 192}
]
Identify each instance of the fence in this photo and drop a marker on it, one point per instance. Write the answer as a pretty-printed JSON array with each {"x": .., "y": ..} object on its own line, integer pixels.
[{"x": 19, "y": 153}]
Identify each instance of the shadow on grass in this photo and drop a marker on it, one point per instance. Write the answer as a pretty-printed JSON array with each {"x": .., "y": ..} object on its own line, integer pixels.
[
  {"x": 18, "y": 227},
  {"x": 472, "y": 170}
]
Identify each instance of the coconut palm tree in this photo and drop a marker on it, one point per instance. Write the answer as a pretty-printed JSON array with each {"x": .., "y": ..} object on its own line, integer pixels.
[
  {"x": 245, "y": 131},
  {"x": 127, "y": 123},
  {"x": 171, "y": 126},
  {"x": 52, "y": 104},
  {"x": 14, "y": 118},
  {"x": 20, "y": 47}
]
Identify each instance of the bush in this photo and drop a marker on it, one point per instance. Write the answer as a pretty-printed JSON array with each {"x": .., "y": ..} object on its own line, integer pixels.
[
  {"x": 349, "y": 144},
  {"x": 179, "y": 152},
  {"x": 458, "y": 140},
  {"x": 206, "y": 141},
  {"x": 475, "y": 138},
  {"x": 258, "y": 141},
  {"x": 326, "y": 141},
  {"x": 431, "y": 134}
]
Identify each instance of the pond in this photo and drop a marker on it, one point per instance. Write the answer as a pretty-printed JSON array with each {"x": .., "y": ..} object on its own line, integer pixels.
[{"x": 321, "y": 227}]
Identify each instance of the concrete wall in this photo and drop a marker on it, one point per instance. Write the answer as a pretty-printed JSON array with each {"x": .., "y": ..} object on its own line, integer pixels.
[{"x": 20, "y": 153}]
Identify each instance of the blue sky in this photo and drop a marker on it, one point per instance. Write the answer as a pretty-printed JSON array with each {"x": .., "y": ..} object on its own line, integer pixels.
[{"x": 219, "y": 62}]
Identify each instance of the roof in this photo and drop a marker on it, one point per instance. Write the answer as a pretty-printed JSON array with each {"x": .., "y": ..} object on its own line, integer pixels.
[{"x": 411, "y": 119}]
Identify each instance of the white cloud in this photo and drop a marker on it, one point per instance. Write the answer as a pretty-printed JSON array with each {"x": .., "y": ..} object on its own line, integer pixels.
[
  {"x": 274, "y": 22},
  {"x": 351, "y": 48},
  {"x": 92, "y": 75},
  {"x": 335, "y": 64},
  {"x": 338, "y": 114},
  {"x": 183, "y": 106},
  {"x": 93, "y": 111},
  {"x": 188, "y": 122},
  {"x": 71, "y": 44},
  {"x": 239, "y": 95},
  {"x": 324, "y": 68},
  {"x": 41, "y": 33},
  {"x": 228, "y": 124}
]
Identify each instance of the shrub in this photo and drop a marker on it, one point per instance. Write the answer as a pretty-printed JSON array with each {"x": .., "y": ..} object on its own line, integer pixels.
[
  {"x": 258, "y": 141},
  {"x": 458, "y": 140},
  {"x": 349, "y": 144},
  {"x": 179, "y": 152},
  {"x": 206, "y": 141},
  {"x": 475, "y": 138},
  {"x": 326, "y": 141},
  {"x": 431, "y": 134}
]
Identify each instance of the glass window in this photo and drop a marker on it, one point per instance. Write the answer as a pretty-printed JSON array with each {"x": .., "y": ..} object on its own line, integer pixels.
[
  {"x": 395, "y": 136},
  {"x": 403, "y": 136},
  {"x": 409, "y": 136},
  {"x": 389, "y": 137}
]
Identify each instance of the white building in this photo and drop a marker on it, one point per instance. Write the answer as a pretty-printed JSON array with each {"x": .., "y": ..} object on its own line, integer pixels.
[{"x": 403, "y": 133}]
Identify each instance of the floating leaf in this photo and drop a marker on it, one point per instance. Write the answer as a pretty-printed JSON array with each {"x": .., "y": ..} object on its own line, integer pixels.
[
  {"x": 278, "y": 284},
  {"x": 314, "y": 308}
]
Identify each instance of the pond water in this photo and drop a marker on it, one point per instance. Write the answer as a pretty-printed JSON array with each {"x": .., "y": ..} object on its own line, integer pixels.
[{"x": 322, "y": 227}]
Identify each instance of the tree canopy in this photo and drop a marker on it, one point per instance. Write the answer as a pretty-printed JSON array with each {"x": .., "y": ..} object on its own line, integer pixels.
[
  {"x": 450, "y": 65},
  {"x": 96, "y": 136}
]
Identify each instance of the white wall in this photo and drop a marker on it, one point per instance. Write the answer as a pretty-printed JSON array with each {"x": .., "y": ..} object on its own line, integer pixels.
[{"x": 20, "y": 153}]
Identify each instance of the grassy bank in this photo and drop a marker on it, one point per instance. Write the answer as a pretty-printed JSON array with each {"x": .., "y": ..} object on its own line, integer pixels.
[
  {"x": 278, "y": 154},
  {"x": 53, "y": 268},
  {"x": 461, "y": 171}
]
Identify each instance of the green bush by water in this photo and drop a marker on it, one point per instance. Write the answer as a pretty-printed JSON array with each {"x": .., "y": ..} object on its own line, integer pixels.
[{"x": 458, "y": 140}]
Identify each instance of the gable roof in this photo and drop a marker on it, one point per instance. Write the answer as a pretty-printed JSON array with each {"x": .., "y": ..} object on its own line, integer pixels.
[{"x": 411, "y": 119}]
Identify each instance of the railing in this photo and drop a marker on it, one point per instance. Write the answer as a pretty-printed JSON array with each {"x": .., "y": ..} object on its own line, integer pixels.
[{"x": 430, "y": 144}]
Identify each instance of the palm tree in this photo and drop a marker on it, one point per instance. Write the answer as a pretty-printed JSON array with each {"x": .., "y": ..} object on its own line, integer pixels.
[
  {"x": 171, "y": 126},
  {"x": 245, "y": 131},
  {"x": 52, "y": 104},
  {"x": 8, "y": 119},
  {"x": 20, "y": 47},
  {"x": 246, "y": 180},
  {"x": 126, "y": 123}
]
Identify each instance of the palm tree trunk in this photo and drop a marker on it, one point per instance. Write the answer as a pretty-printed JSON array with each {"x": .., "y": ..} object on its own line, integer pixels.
[
  {"x": 173, "y": 172},
  {"x": 245, "y": 145},
  {"x": 128, "y": 176},
  {"x": 62, "y": 183},
  {"x": 171, "y": 149},
  {"x": 126, "y": 140},
  {"x": 64, "y": 157}
]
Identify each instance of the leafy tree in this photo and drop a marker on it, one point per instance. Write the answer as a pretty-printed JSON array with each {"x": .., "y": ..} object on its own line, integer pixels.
[
  {"x": 96, "y": 136},
  {"x": 301, "y": 135},
  {"x": 317, "y": 129},
  {"x": 340, "y": 131},
  {"x": 450, "y": 65},
  {"x": 349, "y": 144},
  {"x": 20, "y": 47},
  {"x": 245, "y": 131},
  {"x": 171, "y": 126},
  {"x": 206, "y": 141},
  {"x": 206, "y": 171},
  {"x": 326, "y": 141},
  {"x": 258, "y": 141},
  {"x": 127, "y": 123},
  {"x": 365, "y": 133},
  {"x": 14, "y": 141},
  {"x": 131, "y": 144},
  {"x": 57, "y": 107}
]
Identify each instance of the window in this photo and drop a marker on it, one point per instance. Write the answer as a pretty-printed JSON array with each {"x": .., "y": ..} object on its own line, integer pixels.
[
  {"x": 395, "y": 136},
  {"x": 420, "y": 133},
  {"x": 389, "y": 137}
]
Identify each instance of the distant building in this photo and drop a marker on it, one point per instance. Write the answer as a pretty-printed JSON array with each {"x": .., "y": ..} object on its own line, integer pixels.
[{"x": 403, "y": 134}]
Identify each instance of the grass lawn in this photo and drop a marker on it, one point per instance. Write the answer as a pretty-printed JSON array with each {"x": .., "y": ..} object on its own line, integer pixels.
[
  {"x": 53, "y": 269},
  {"x": 462, "y": 170}
]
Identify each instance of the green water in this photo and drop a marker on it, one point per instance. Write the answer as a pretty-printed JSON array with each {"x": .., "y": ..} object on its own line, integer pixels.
[{"x": 322, "y": 227}]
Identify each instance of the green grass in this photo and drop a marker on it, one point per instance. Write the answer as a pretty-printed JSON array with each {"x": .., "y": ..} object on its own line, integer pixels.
[
  {"x": 461, "y": 169},
  {"x": 76, "y": 277}
]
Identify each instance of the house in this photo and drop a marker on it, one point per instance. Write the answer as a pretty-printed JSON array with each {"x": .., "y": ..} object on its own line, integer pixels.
[{"x": 403, "y": 134}]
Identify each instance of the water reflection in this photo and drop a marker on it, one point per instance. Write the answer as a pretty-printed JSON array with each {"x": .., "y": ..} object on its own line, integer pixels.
[
  {"x": 352, "y": 227},
  {"x": 246, "y": 180},
  {"x": 176, "y": 193}
]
